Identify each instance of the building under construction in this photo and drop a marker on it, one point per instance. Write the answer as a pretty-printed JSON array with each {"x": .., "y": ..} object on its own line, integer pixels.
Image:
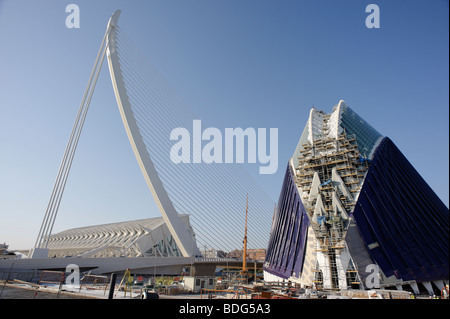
[{"x": 354, "y": 213}]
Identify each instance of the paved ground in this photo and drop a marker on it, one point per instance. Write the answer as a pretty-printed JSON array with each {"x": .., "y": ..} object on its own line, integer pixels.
[{"x": 14, "y": 292}]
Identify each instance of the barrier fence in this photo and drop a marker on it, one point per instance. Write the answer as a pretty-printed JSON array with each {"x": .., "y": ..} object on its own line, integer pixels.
[
  {"x": 240, "y": 293},
  {"x": 51, "y": 277},
  {"x": 94, "y": 282}
]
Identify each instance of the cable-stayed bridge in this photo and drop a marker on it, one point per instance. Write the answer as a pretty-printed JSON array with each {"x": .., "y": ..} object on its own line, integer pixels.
[{"x": 213, "y": 195}]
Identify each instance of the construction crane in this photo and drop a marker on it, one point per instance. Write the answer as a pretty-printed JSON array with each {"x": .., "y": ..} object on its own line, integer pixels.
[
  {"x": 244, "y": 255},
  {"x": 126, "y": 280}
]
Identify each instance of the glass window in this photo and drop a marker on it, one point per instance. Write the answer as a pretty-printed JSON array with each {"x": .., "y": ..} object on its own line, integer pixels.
[{"x": 366, "y": 135}]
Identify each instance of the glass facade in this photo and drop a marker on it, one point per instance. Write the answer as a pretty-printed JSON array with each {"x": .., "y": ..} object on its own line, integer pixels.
[
  {"x": 366, "y": 136},
  {"x": 402, "y": 221},
  {"x": 286, "y": 251}
]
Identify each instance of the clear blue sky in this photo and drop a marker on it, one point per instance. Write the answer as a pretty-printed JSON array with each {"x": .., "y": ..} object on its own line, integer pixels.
[{"x": 254, "y": 63}]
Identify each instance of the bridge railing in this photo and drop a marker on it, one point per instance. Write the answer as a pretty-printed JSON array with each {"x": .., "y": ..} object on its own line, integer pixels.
[{"x": 217, "y": 259}]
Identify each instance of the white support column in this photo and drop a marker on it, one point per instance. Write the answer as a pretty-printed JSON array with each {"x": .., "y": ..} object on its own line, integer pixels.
[
  {"x": 314, "y": 187},
  {"x": 324, "y": 265},
  {"x": 415, "y": 287},
  {"x": 342, "y": 260},
  {"x": 428, "y": 286},
  {"x": 38, "y": 253},
  {"x": 439, "y": 284},
  {"x": 339, "y": 183}
]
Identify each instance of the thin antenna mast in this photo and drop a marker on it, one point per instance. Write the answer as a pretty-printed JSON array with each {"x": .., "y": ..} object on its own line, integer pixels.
[{"x": 244, "y": 257}]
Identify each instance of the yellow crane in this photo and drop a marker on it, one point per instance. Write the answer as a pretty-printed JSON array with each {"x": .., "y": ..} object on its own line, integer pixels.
[
  {"x": 126, "y": 280},
  {"x": 244, "y": 255}
]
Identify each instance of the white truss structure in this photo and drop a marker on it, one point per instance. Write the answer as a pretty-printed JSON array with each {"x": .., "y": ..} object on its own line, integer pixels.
[{"x": 138, "y": 238}]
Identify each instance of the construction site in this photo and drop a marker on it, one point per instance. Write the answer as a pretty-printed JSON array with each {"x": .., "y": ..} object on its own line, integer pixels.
[
  {"x": 354, "y": 215},
  {"x": 329, "y": 175}
]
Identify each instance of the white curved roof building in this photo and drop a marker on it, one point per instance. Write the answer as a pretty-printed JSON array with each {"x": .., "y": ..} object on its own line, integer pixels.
[{"x": 136, "y": 238}]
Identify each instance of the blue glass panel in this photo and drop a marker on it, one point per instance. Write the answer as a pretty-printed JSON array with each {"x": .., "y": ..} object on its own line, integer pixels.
[
  {"x": 366, "y": 135},
  {"x": 287, "y": 243},
  {"x": 403, "y": 223}
]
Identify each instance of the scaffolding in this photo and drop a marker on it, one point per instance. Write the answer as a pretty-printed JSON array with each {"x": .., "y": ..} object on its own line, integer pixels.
[{"x": 329, "y": 177}]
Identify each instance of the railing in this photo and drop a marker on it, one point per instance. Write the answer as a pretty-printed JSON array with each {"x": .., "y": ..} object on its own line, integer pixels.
[{"x": 240, "y": 293}]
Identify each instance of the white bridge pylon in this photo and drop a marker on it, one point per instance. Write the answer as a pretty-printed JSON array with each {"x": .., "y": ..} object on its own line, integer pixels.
[{"x": 178, "y": 229}]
